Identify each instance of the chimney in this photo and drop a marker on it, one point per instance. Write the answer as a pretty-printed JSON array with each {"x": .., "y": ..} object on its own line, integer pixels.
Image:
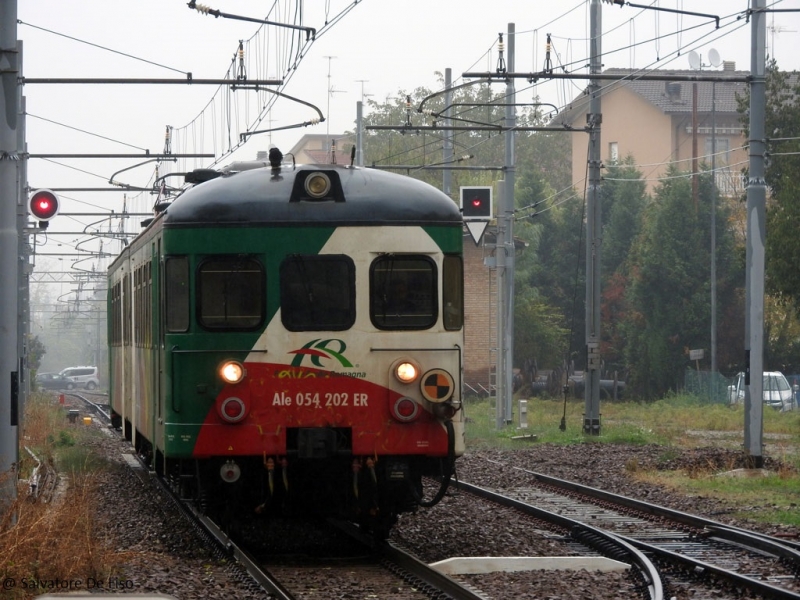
[{"x": 729, "y": 65}]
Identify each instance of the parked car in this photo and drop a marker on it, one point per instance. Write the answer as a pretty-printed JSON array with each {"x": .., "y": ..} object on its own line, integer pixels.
[
  {"x": 82, "y": 377},
  {"x": 778, "y": 394},
  {"x": 794, "y": 381},
  {"x": 53, "y": 381}
]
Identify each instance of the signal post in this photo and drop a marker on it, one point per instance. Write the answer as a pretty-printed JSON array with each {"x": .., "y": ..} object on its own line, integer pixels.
[{"x": 9, "y": 247}]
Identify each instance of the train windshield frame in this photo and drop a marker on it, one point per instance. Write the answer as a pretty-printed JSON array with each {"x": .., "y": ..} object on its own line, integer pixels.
[
  {"x": 453, "y": 292},
  {"x": 231, "y": 293},
  {"x": 318, "y": 292},
  {"x": 403, "y": 292}
]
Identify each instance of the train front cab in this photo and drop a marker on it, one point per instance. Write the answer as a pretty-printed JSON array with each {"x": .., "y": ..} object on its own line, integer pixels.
[{"x": 322, "y": 420}]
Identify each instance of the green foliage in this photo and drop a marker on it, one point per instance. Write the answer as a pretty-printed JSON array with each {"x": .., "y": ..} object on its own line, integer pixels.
[
  {"x": 668, "y": 296},
  {"x": 36, "y": 351}
]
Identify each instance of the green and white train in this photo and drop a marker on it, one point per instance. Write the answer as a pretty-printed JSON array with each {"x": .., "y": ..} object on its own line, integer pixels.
[{"x": 287, "y": 340}]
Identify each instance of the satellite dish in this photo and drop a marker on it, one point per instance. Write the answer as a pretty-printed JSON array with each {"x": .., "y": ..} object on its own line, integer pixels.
[
  {"x": 694, "y": 60},
  {"x": 714, "y": 58}
]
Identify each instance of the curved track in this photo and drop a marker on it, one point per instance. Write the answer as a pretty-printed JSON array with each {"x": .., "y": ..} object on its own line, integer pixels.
[{"x": 688, "y": 547}]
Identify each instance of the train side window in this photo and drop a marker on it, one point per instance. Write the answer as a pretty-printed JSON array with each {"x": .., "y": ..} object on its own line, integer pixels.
[
  {"x": 318, "y": 292},
  {"x": 231, "y": 293},
  {"x": 453, "y": 292},
  {"x": 176, "y": 276},
  {"x": 402, "y": 292}
]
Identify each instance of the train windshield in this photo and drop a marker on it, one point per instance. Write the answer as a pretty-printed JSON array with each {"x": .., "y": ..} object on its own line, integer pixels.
[
  {"x": 403, "y": 292},
  {"x": 318, "y": 292},
  {"x": 230, "y": 292}
]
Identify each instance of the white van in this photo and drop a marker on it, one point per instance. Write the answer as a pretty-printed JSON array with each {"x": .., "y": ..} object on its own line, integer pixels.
[
  {"x": 777, "y": 392},
  {"x": 82, "y": 377}
]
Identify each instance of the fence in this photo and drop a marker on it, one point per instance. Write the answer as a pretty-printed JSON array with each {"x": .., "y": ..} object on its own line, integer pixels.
[{"x": 707, "y": 386}]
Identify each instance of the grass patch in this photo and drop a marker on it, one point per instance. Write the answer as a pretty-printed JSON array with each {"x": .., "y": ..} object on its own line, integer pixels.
[
  {"x": 768, "y": 499},
  {"x": 44, "y": 543}
]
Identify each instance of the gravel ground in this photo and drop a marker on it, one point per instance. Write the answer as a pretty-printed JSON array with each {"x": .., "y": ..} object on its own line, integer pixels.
[{"x": 163, "y": 553}]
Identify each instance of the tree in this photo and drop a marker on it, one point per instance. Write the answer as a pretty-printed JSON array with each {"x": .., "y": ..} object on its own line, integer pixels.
[
  {"x": 783, "y": 178},
  {"x": 36, "y": 351},
  {"x": 668, "y": 299}
]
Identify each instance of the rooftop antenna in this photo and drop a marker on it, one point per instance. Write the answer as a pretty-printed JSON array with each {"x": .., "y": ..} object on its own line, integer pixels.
[{"x": 331, "y": 92}]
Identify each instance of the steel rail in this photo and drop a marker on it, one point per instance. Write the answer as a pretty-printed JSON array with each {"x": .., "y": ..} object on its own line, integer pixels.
[
  {"x": 786, "y": 549},
  {"x": 622, "y": 549},
  {"x": 741, "y": 537},
  {"x": 427, "y": 575},
  {"x": 223, "y": 543}
]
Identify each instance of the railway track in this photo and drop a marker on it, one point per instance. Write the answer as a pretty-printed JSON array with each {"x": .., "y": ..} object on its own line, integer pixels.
[
  {"x": 687, "y": 548},
  {"x": 387, "y": 570}
]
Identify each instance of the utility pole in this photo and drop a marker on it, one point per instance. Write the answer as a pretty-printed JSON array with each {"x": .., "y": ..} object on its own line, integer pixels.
[
  {"x": 591, "y": 378},
  {"x": 507, "y": 213},
  {"x": 447, "y": 146},
  {"x": 9, "y": 257},
  {"x": 23, "y": 266},
  {"x": 331, "y": 92},
  {"x": 756, "y": 234}
]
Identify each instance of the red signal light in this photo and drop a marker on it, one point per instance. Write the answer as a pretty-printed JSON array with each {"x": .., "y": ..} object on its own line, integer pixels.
[
  {"x": 43, "y": 205},
  {"x": 476, "y": 203}
]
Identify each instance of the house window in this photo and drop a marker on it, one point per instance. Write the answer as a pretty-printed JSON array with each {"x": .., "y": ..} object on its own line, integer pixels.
[
  {"x": 723, "y": 150},
  {"x": 613, "y": 152}
]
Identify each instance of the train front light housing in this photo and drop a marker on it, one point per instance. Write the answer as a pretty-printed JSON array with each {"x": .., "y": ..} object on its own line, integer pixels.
[
  {"x": 406, "y": 372},
  {"x": 232, "y": 410},
  {"x": 318, "y": 185},
  {"x": 405, "y": 410},
  {"x": 231, "y": 371}
]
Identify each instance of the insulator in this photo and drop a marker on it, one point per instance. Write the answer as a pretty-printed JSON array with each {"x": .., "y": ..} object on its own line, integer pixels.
[
  {"x": 202, "y": 8},
  {"x": 501, "y": 46}
]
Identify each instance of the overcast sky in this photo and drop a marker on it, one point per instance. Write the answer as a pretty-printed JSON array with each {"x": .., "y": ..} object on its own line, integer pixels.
[{"x": 377, "y": 49}]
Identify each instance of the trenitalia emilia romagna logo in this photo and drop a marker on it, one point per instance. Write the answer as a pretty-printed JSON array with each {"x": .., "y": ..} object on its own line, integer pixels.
[{"x": 318, "y": 349}]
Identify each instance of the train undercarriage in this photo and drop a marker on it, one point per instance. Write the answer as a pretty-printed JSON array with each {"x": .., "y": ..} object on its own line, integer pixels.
[{"x": 317, "y": 477}]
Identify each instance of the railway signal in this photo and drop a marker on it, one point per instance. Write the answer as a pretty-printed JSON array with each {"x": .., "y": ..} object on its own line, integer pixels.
[
  {"x": 43, "y": 205},
  {"x": 476, "y": 209},
  {"x": 476, "y": 203}
]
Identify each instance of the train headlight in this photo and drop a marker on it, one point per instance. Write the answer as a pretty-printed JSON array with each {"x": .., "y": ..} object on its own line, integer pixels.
[
  {"x": 318, "y": 185},
  {"x": 406, "y": 372},
  {"x": 231, "y": 371},
  {"x": 437, "y": 386}
]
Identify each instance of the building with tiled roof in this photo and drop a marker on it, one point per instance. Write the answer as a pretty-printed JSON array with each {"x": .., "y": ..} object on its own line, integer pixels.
[
  {"x": 653, "y": 121},
  {"x": 323, "y": 149}
]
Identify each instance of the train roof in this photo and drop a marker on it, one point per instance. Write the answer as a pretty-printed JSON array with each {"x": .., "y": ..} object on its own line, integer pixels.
[{"x": 358, "y": 196}]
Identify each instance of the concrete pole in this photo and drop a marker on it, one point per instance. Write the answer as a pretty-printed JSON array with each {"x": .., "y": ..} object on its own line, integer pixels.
[
  {"x": 447, "y": 149},
  {"x": 756, "y": 234},
  {"x": 507, "y": 213},
  {"x": 9, "y": 257},
  {"x": 591, "y": 417},
  {"x": 24, "y": 269},
  {"x": 359, "y": 134},
  {"x": 713, "y": 385}
]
